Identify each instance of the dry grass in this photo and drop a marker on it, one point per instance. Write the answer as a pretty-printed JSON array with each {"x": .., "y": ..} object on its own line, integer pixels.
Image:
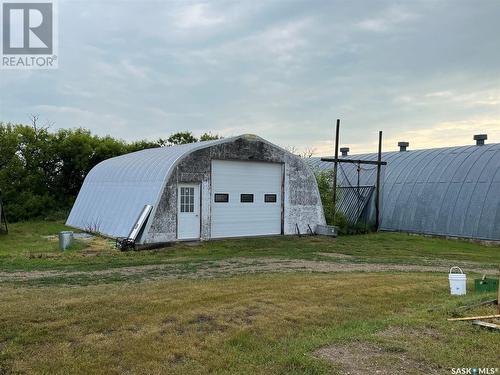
[
  {"x": 250, "y": 306},
  {"x": 243, "y": 324}
]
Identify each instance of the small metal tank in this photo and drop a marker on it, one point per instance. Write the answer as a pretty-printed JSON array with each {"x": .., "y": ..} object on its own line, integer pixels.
[{"x": 65, "y": 239}]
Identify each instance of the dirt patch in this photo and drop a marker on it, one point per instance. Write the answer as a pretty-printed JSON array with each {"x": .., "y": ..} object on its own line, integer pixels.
[
  {"x": 201, "y": 318},
  {"x": 43, "y": 256},
  {"x": 243, "y": 265},
  {"x": 169, "y": 320},
  {"x": 366, "y": 358},
  {"x": 335, "y": 255},
  {"x": 446, "y": 262},
  {"x": 207, "y": 324},
  {"x": 52, "y": 237},
  {"x": 177, "y": 359},
  {"x": 233, "y": 266}
]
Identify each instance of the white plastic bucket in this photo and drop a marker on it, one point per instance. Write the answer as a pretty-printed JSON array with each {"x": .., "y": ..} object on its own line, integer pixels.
[{"x": 458, "y": 282}]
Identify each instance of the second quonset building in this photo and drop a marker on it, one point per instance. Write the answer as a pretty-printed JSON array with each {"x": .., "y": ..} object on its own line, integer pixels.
[{"x": 451, "y": 191}]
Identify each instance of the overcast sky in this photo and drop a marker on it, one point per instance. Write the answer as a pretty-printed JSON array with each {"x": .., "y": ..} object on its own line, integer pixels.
[{"x": 427, "y": 72}]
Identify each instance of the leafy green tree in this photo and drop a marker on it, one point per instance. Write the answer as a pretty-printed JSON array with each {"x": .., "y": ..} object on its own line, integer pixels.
[
  {"x": 142, "y": 145},
  {"x": 181, "y": 138},
  {"x": 27, "y": 170},
  {"x": 41, "y": 172},
  {"x": 209, "y": 136},
  {"x": 325, "y": 191},
  {"x": 324, "y": 180}
]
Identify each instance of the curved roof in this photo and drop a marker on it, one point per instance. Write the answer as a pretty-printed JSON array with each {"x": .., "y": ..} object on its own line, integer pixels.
[
  {"x": 116, "y": 190},
  {"x": 452, "y": 191}
]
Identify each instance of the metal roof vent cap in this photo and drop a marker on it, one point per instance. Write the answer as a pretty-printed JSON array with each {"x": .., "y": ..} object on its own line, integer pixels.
[
  {"x": 344, "y": 151},
  {"x": 403, "y": 145},
  {"x": 480, "y": 138}
]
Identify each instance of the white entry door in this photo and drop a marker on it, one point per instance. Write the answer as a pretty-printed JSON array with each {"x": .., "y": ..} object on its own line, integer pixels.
[{"x": 188, "y": 211}]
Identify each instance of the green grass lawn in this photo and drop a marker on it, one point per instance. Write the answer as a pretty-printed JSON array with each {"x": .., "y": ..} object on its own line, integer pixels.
[
  {"x": 26, "y": 248},
  {"x": 275, "y": 321}
]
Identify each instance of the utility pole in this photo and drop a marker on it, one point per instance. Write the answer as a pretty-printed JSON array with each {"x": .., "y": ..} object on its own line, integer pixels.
[
  {"x": 359, "y": 163},
  {"x": 335, "y": 168},
  {"x": 377, "y": 192}
]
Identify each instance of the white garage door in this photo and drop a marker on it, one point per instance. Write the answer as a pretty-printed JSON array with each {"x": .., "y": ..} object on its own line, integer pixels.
[{"x": 246, "y": 198}]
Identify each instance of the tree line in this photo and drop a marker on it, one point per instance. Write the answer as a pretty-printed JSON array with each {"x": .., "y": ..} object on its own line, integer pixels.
[{"x": 42, "y": 171}]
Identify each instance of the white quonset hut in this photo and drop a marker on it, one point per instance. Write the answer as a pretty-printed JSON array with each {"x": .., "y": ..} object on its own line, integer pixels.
[{"x": 233, "y": 187}]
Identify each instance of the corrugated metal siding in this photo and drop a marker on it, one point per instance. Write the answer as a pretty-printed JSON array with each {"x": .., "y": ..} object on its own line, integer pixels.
[
  {"x": 451, "y": 191},
  {"x": 116, "y": 190}
]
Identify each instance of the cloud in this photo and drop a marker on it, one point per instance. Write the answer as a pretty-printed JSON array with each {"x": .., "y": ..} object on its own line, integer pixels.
[
  {"x": 277, "y": 45},
  {"x": 470, "y": 99},
  {"x": 161, "y": 113},
  {"x": 73, "y": 117},
  {"x": 197, "y": 16},
  {"x": 448, "y": 133},
  {"x": 136, "y": 71},
  {"x": 439, "y": 94},
  {"x": 282, "y": 70},
  {"x": 54, "y": 109},
  {"x": 386, "y": 20},
  {"x": 440, "y": 134}
]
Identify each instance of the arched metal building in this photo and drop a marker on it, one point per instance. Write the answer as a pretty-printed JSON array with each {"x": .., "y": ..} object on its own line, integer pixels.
[
  {"x": 453, "y": 191},
  {"x": 233, "y": 187}
]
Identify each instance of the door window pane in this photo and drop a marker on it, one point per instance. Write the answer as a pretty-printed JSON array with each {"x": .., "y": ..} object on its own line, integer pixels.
[{"x": 187, "y": 199}]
